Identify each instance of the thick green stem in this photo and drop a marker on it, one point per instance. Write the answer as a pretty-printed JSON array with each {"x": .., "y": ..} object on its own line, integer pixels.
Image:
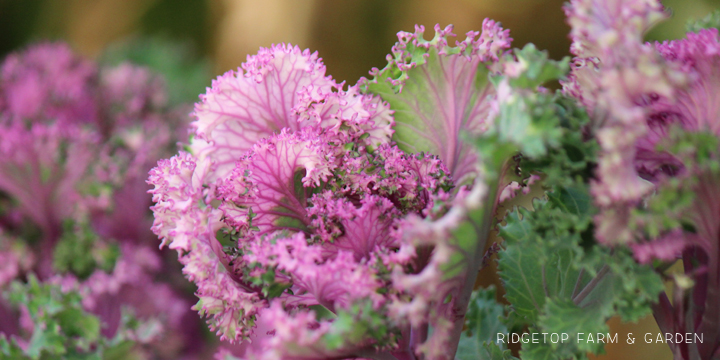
[{"x": 462, "y": 301}]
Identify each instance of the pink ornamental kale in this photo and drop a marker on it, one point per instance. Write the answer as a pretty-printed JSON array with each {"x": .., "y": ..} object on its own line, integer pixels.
[
  {"x": 289, "y": 215},
  {"x": 664, "y": 158},
  {"x": 656, "y": 117},
  {"x": 308, "y": 232},
  {"x": 685, "y": 100},
  {"x": 613, "y": 75},
  {"x": 75, "y": 141},
  {"x": 37, "y": 89}
]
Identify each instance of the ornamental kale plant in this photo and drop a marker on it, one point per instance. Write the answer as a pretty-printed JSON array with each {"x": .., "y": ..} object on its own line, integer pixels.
[
  {"x": 79, "y": 272},
  {"x": 321, "y": 221}
]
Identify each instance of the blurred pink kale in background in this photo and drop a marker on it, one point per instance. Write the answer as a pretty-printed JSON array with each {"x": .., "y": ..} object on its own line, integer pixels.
[{"x": 76, "y": 141}]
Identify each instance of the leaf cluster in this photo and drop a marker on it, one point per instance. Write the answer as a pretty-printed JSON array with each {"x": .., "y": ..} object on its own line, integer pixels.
[
  {"x": 484, "y": 320},
  {"x": 544, "y": 263},
  {"x": 527, "y": 119},
  {"x": 354, "y": 325},
  {"x": 669, "y": 208},
  {"x": 62, "y": 329},
  {"x": 81, "y": 251},
  {"x": 710, "y": 21},
  {"x": 556, "y": 277}
]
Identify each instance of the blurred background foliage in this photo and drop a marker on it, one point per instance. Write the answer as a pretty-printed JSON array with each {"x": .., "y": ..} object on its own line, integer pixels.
[
  {"x": 352, "y": 36},
  {"x": 192, "y": 41}
]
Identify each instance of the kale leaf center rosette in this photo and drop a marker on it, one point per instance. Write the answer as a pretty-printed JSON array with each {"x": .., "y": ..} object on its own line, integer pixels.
[
  {"x": 320, "y": 222},
  {"x": 285, "y": 212},
  {"x": 306, "y": 230}
]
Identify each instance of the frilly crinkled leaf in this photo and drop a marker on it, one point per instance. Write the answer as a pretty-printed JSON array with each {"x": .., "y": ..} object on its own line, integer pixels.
[
  {"x": 484, "y": 323},
  {"x": 546, "y": 272},
  {"x": 357, "y": 230},
  {"x": 269, "y": 188},
  {"x": 615, "y": 74},
  {"x": 347, "y": 115},
  {"x": 438, "y": 92},
  {"x": 187, "y": 225},
  {"x": 256, "y": 101},
  {"x": 281, "y": 87}
]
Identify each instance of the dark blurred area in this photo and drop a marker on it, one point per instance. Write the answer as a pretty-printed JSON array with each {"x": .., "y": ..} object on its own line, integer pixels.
[{"x": 352, "y": 36}]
